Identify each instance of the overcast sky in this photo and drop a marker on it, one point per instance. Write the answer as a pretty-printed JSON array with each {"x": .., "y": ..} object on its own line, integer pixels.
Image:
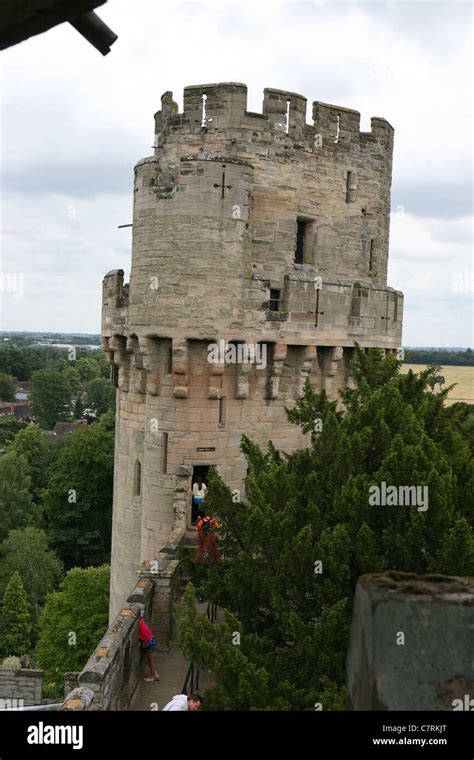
[{"x": 74, "y": 123}]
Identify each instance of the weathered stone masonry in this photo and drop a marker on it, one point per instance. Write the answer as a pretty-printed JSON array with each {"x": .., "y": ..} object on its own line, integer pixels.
[{"x": 247, "y": 227}]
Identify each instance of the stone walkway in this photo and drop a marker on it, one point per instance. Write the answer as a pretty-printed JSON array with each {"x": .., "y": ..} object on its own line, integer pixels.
[{"x": 172, "y": 667}]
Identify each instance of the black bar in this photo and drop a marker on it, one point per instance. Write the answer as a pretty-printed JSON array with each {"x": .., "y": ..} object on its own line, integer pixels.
[{"x": 95, "y": 31}]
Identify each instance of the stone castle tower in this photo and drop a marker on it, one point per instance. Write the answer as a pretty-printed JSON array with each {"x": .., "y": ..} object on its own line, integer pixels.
[{"x": 248, "y": 228}]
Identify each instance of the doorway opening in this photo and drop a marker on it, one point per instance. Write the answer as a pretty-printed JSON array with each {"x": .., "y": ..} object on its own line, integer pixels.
[{"x": 199, "y": 471}]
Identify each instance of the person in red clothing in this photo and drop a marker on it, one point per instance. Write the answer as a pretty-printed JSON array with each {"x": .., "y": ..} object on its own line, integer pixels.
[
  {"x": 208, "y": 541},
  {"x": 148, "y": 644}
]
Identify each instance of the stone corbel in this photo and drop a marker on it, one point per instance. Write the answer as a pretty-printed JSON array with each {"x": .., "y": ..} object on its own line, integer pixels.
[
  {"x": 136, "y": 363},
  {"x": 215, "y": 375},
  {"x": 180, "y": 368},
  {"x": 149, "y": 348},
  {"x": 309, "y": 355},
  {"x": 243, "y": 373},
  {"x": 280, "y": 351},
  {"x": 336, "y": 357},
  {"x": 121, "y": 360}
]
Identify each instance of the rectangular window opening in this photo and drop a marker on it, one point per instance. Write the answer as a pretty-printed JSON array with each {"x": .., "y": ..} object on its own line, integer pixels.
[
  {"x": 169, "y": 362},
  {"x": 300, "y": 239},
  {"x": 274, "y": 303}
]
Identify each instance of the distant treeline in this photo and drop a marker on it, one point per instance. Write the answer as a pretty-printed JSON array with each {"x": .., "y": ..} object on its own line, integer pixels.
[
  {"x": 432, "y": 356},
  {"x": 21, "y": 359}
]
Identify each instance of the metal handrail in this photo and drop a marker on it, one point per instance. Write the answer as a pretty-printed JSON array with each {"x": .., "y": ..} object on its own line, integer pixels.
[
  {"x": 31, "y": 708},
  {"x": 192, "y": 676}
]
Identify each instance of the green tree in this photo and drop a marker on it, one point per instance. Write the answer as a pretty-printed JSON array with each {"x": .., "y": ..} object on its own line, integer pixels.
[
  {"x": 100, "y": 395},
  {"x": 15, "y": 625},
  {"x": 7, "y": 388},
  {"x": 31, "y": 444},
  {"x": 13, "y": 362},
  {"x": 73, "y": 378},
  {"x": 73, "y": 621},
  {"x": 16, "y": 506},
  {"x": 104, "y": 366},
  {"x": 78, "y": 500},
  {"x": 87, "y": 369},
  {"x": 21, "y": 361},
  {"x": 27, "y": 552},
  {"x": 9, "y": 427},
  {"x": 308, "y": 529},
  {"x": 50, "y": 397}
]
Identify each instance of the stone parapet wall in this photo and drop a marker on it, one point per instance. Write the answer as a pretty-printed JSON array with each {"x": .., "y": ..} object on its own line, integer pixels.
[
  {"x": 113, "y": 671},
  {"x": 23, "y": 685},
  {"x": 411, "y": 645}
]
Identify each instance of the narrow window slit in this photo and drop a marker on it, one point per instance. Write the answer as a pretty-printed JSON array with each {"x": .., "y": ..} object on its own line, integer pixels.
[
  {"x": 300, "y": 241},
  {"x": 348, "y": 187},
  {"x": 287, "y": 118},
  {"x": 137, "y": 480},
  {"x": 204, "y": 118},
  {"x": 222, "y": 410},
  {"x": 371, "y": 255},
  {"x": 164, "y": 460}
]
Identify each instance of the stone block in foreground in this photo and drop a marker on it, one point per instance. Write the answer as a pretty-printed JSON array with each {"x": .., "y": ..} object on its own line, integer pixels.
[{"x": 412, "y": 643}]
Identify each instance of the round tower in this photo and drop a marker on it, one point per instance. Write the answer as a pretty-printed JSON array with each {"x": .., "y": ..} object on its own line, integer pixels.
[{"x": 259, "y": 256}]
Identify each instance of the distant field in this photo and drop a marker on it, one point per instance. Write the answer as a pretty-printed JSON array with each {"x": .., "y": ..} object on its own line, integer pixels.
[{"x": 463, "y": 376}]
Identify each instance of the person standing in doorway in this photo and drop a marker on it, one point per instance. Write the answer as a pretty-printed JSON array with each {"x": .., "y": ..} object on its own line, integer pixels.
[{"x": 199, "y": 495}]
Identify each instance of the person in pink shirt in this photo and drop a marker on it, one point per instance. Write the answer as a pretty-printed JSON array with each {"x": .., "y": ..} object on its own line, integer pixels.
[{"x": 148, "y": 645}]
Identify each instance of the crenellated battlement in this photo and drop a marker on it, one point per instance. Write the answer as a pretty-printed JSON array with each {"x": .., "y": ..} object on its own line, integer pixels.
[{"x": 221, "y": 109}]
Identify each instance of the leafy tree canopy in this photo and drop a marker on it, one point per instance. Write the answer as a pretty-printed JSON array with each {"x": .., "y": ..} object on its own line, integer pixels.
[
  {"x": 16, "y": 505},
  {"x": 78, "y": 500},
  {"x": 73, "y": 621},
  {"x": 50, "y": 397},
  {"x": 307, "y": 530},
  {"x": 27, "y": 552},
  {"x": 7, "y": 387}
]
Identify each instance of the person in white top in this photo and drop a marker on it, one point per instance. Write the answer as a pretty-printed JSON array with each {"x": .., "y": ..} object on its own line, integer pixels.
[
  {"x": 199, "y": 494},
  {"x": 181, "y": 702}
]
